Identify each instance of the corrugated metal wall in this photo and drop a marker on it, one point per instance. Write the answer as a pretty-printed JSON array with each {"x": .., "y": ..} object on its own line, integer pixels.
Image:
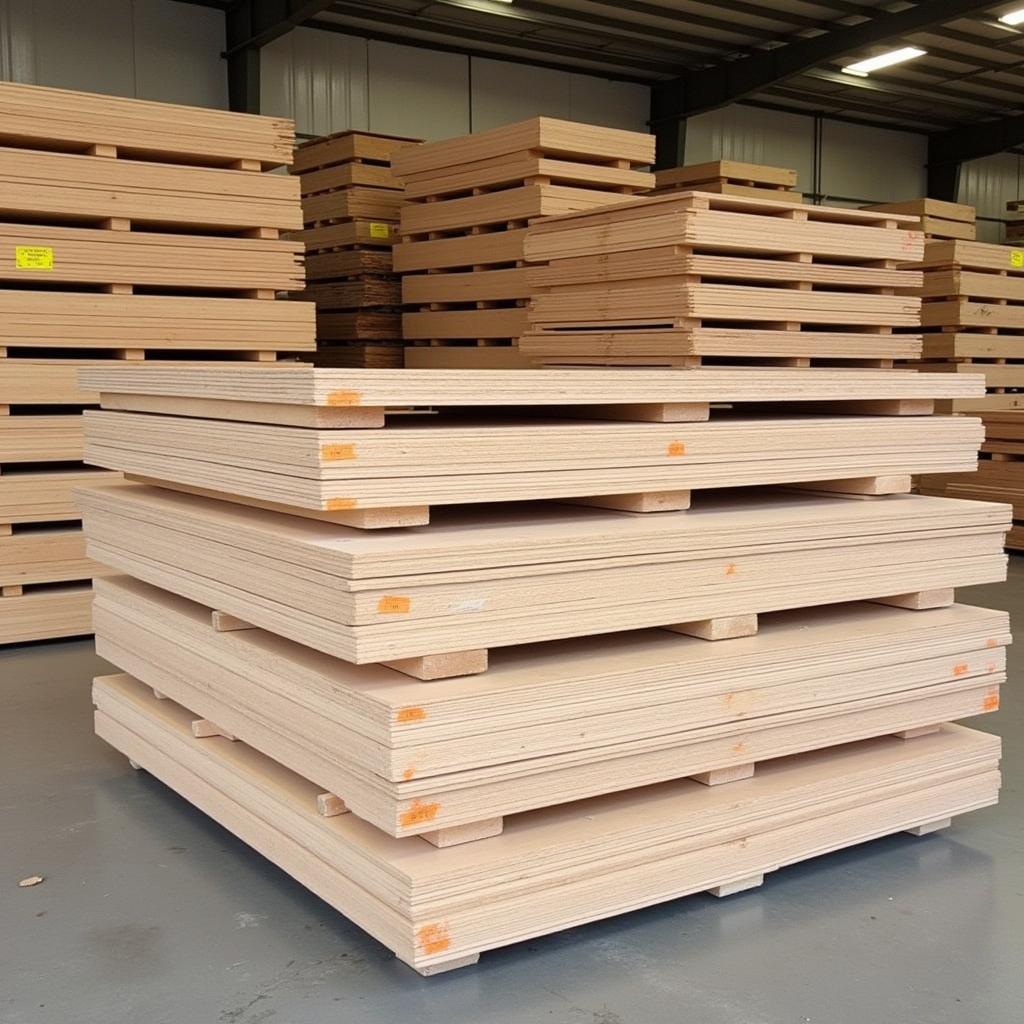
[
  {"x": 987, "y": 184},
  {"x": 329, "y": 82},
  {"x": 147, "y": 48}
]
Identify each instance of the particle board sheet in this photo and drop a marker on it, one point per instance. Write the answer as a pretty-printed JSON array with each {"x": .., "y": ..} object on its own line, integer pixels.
[
  {"x": 352, "y": 148},
  {"x": 46, "y": 381},
  {"x": 148, "y": 258},
  {"x": 45, "y": 118},
  {"x": 336, "y": 389},
  {"x": 46, "y": 613},
  {"x": 36, "y": 184},
  {"x": 725, "y": 224},
  {"x": 560, "y": 721},
  {"x": 37, "y": 494},
  {"x": 40, "y": 438},
  {"x": 553, "y": 137},
  {"x": 436, "y": 461},
  {"x": 45, "y": 554},
  {"x": 171, "y": 322},
  {"x": 602, "y": 857},
  {"x": 500, "y": 577}
]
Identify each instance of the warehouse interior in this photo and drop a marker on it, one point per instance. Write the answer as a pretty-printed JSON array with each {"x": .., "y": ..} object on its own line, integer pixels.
[{"x": 147, "y": 909}]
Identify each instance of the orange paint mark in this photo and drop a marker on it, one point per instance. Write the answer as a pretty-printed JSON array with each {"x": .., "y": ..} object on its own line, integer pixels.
[
  {"x": 433, "y": 938},
  {"x": 394, "y": 605},
  {"x": 991, "y": 702},
  {"x": 739, "y": 748},
  {"x": 344, "y": 398},
  {"x": 340, "y": 504},
  {"x": 990, "y": 667},
  {"x": 676, "y": 448},
  {"x": 413, "y": 714},
  {"x": 418, "y": 812},
  {"x": 337, "y": 452},
  {"x": 730, "y": 569},
  {"x": 408, "y": 773},
  {"x": 960, "y": 668},
  {"x": 991, "y": 642}
]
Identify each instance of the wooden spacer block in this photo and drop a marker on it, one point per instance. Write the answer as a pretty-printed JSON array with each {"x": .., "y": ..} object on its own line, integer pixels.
[
  {"x": 223, "y": 622},
  {"x": 382, "y": 518},
  {"x": 11, "y": 590},
  {"x": 720, "y": 776},
  {"x": 651, "y": 501},
  {"x": 429, "y": 970},
  {"x": 101, "y": 149},
  {"x": 203, "y": 728},
  {"x": 246, "y": 165},
  {"x": 646, "y": 412},
  {"x": 131, "y": 353},
  {"x": 118, "y": 289},
  {"x": 726, "y": 627},
  {"x": 260, "y": 357},
  {"x": 159, "y": 695},
  {"x": 456, "y": 835},
  {"x": 740, "y": 885},
  {"x": 921, "y": 730},
  {"x": 328, "y": 805},
  {"x": 920, "y": 600},
  {"x": 442, "y": 666},
  {"x": 859, "y": 486},
  {"x": 116, "y": 224},
  {"x": 889, "y": 407},
  {"x": 134, "y": 765},
  {"x": 6, "y": 529},
  {"x": 930, "y": 826}
]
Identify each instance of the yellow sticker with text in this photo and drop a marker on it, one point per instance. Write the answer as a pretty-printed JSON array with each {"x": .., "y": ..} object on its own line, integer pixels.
[
  {"x": 378, "y": 230},
  {"x": 1017, "y": 257},
  {"x": 33, "y": 257}
]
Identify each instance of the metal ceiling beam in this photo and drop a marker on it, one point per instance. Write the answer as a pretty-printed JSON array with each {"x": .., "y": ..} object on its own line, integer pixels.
[{"x": 248, "y": 26}]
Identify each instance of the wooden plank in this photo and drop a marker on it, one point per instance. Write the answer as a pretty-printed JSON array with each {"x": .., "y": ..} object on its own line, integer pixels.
[
  {"x": 350, "y": 145},
  {"x": 46, "y": 614},
  {"x": 928, "y": 208},
  {"x": 735, "y": 170}
]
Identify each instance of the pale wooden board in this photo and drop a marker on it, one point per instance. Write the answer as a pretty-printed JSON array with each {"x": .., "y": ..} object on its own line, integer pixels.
[
  {"x": 977, "y": 285},
  {"x": 49, "y": 555},
  {"x": 491, "y": 592},
  {"x": 950, "y": 345},
  {"x": 345, "y": 233},
  {"x": 657, "y": 705},
  {"x": 963, "y": 313},
  {"x": 434, "y": 906},
  {"x": 928, "y": 208},
  {"x": 346, "y": 175},
  {"x": 40, "y": 439},
  {"x": 970, "y": 255},
  {"x": 46, "y": 613},
  {"x": 736, "y": 170},
  {"x": 40, "y": 495},
  {"x": 345, "y": 146},
  {"x": 357, "y": 201},
  {"x": 466, "y": 252}
]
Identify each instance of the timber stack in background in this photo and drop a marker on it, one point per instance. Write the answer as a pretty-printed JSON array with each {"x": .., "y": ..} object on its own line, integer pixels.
[
  {"x": 131, "y": 231},
  {"x": 350, "y": 206},
  {"x": 938, "y": 219},
  {"x": 466, "y": 205},
  {"x": 731, "y": 178}
]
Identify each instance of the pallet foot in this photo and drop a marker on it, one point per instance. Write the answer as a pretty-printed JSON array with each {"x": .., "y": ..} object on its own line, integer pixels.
[
  {"x": 720, "y": 776},
  {"x": 224, "y": 622},
  {"x": 644, "y": 412},
  {"x": 920, "y": 600},
  {"x": 379, "y": 518},
  {"x": 930, "y": 826},
  {"x": 11, "y": 590},
  {"x": 203, "y": 728},
  {"x": 653, "y": 501},
  {"x": 329, "y": 806},
  {"x": 921, "y": 730},
  {"x": 859, "y": 487},
  {"x": 740, "y": 885},
  {"x": 429, "y": 667},
  {"x": 429, "y": 970},
  {"x": 159, "y": 695},
  {"x": 459, "y": 834},
  {"x": 725, "y": 627},
  {"x": 134, "y": 765}
]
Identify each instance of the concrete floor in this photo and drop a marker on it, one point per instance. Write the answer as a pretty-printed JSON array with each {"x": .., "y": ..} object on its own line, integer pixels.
[{"x": 152, "y": 914}]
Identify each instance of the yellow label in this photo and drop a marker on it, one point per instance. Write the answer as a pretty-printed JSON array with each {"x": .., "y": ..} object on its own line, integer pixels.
[
  {"x": 394, "y": 605},
  {"x": 378, "y": 230},
  {"x": 1017, "y": 257},
  {"x": 33, "y": 257}
]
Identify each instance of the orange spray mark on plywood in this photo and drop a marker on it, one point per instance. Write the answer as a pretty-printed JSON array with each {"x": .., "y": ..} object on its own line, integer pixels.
[
  {"x": 433, "y": 938},
  {"x": 991, "y": 702},
  {"x": 344, "y": 398},
  {"x": 739, "y": 748},
  {"x": 418, "y": 812},
  {"x": 991, "y": 642},
  {"x": 676, "y": 448},
  {"x": 411, "y": 714},
  {"x": 408, "y": 773},
  {"x": 730, "y": 569},
  {"x": 390, "y": 605},
  {"x": 960, "y": 668},
  {"x": 337, "y": 452},
  {"x": 340, "y": 504},
  {"x": 990, "y": 667}
]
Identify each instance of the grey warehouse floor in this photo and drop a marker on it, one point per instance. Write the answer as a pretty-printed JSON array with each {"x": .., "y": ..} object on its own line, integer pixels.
[{"x": 151, "y": 913}]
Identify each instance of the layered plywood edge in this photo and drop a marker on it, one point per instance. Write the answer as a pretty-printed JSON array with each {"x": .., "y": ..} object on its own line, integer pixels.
[
  {"x": 556, "y": 722},
  {"x": 731, "y": 177},
  {"x": 478, "y": 579},
  {"x": 439, "y": 909},
  {"x": 938, "y": 219}
]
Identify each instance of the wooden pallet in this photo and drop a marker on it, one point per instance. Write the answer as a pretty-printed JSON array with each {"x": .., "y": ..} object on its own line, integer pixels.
[
  {"x": 43, "y": 553},
  {"x": 46, "y": 612},
  {"x": 938, "y": 219},
  {"x": 684, "y": 837},
  {"x": 44, "y": 494},
  {"x": 659, "y": 706},
  {"x": 628, "y": 572},
  {"x": 731, "y": 177}
]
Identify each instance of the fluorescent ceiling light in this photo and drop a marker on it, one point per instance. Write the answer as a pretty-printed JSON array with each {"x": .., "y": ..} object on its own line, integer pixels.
[
  {"x": 1013, "y": 18},
  {"x": 863, "y": 67}
]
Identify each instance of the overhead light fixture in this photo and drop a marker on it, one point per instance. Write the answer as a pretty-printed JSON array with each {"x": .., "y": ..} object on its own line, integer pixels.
[
  {"x": 1014, "y": 17},
  {"x": 862, "y": 68}
]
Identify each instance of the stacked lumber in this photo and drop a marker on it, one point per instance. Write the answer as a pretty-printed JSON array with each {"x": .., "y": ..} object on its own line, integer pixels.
[
  {"x": 686, "y": 276},
  {"x": 131, "y": 230},
  {"x": 730, "y": 178},
  {"x": 1015, "y": 224},
  {"x": 350, "y": 204},
  {"x": 939, "y": 219},
  {"x": 350, "y": 623},
  {"x": 466, "y": 205}
]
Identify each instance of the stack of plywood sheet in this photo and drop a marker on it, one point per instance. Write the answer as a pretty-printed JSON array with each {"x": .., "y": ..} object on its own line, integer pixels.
[
  {"x": 731, "y": 178},
  {"x": 686, "y": 276},
  {"x": 938, "y": 219},
  {"x": 350, "y": 203},
  {"x": 1015, "y": 222},
  {"x": 128, "y": 230},
  {"x": 467, "y": 203},
  {"x": 434, "y": 723}
]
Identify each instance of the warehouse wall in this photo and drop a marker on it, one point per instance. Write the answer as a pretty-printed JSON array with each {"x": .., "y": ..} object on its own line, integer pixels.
[
  {"x": 152, "y": 49},
  {"x": 987, "y": 184},
  {"x": 328, "y": 82}
]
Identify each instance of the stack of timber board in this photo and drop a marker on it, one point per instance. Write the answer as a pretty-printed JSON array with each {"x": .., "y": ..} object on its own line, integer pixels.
[
  {"x": 1015, "y": 222},
  {"x": 433, "y": 725},
  {"x": 350, "y": 203},
  {"x": 466, "y": 205},
  {"x": 688, "y": 276},
  {"x": 938, "y": 219},
  {"x": 128, "y": 230},
  {"x": 730, "y": 178}
]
